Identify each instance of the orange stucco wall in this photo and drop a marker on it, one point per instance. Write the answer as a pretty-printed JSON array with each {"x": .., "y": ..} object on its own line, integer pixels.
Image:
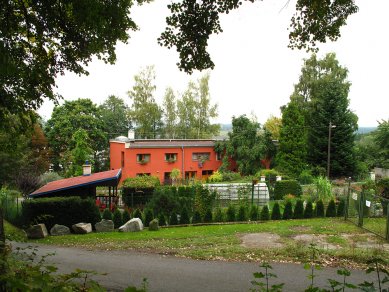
[{"x": 157, "y": 165}]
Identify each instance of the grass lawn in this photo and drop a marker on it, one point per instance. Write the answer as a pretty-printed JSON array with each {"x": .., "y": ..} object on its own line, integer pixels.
[
  {"x": 13, "y": 233},
  {"x": 223, "y": 242}
]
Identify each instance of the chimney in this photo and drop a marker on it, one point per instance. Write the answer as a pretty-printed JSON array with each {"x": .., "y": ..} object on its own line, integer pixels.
[
  {"x": 86, "y": 168},
  {"x": 131, "y": 134}
]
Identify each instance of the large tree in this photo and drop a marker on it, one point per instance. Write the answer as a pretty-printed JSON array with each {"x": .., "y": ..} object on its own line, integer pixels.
[
  {"x": 65, "y": 121},
  {"x": 169, "y": 108},
  {"x": 114, "y": 113},
  {"x": 144, "y": 112},
  {"x": 381, "y": 137}
]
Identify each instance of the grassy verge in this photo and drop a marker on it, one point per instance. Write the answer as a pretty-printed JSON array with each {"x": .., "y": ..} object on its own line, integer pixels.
[
  {"x": 13, "y": 233},
  {"x": 223, "y": 242}
]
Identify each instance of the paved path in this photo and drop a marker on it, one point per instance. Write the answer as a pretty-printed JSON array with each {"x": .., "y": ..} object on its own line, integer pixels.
[{"x": 167, "y": 273}]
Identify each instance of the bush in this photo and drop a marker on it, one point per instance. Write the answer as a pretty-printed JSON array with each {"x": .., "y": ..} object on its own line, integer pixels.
[
  {"x": 276, "y": 212},
  {"x": 285, "y": 187},
  {"x": 137, "y": 214},
  {"x": 323, "y": 187},
  {"x": 164, "y": 200},
  {"x": 265, "y": 214},
  {"x": 231, "y": 176},
  {"x": 216, "y": 177},
  {"x": 117, "y": 218},
  {"x": 184, "y": 219},
  {"x": 60, "y": 210},
  {"x": 305, "y": 177},
  {"x": 196, "y": 217},
  {"x": 148, "y": 216},
  {"x": 107, "y": 214},
  {"x": 299, "y": 210},
  {"x": 254, "y": 213},
  {"x": 231, "y": 213},
  {"x": 208, "y": 216},
  {"x": 161, "y": 219},
  {"x": 308, "y": 212},
  {"x": 218, "y": 215},
  {"x": 242, "y": 213},
  {"x": 138, "y": 190},
  {"x": 47, "y": 177},
  {"x": 319, "y": 210},
  {"x": 331, "y": 209},
  {"x": 288, "y": 211},
  {"x": 173, "y": 220},
  {"x": 140, "y": 182},
  {"x": 126, "y": 216},
  {"x": 269, "y": 174},
  {"x": 341, "y": 208}
]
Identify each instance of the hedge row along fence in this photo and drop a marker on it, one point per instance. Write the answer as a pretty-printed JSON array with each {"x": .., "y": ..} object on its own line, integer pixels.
[{"x": 286, "y": 187}]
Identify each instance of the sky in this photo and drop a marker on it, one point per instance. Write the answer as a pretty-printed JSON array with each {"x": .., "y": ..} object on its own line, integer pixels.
[{"x": 254, "y": 69}]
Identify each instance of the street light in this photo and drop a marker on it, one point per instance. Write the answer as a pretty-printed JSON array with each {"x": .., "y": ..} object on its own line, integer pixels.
[{"x": 330, "y": 126}]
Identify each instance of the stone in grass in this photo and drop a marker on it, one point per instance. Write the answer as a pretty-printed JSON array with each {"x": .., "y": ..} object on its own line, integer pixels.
[
  {"x": 154, "y": 225},
  {"x": 104, "y": 226},
  {"x": 135, "y": 224},
  {"x": 58, "y": 229},
  {"x": 37, "y": 231},
  {"x": 82, "y": 228}
]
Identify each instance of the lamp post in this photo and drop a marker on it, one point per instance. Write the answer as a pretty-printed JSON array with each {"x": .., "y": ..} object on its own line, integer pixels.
[{"x": 330, "y": 126}]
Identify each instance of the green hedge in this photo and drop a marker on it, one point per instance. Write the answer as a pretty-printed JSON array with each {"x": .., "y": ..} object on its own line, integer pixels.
[
  {"x": 143, "y": 181},
  {"x": 286, "y": 187},
  {"x": 60, "y": 210}
]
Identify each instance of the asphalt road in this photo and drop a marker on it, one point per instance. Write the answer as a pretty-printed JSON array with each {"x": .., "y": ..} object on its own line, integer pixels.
[{"x": 168, "y": 273}]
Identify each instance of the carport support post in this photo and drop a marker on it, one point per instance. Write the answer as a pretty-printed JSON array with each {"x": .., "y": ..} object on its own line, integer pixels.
[{"x": 387, "y": 222}]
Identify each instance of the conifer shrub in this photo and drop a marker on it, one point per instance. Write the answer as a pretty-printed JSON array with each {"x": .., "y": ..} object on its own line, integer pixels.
[
  {"x": 107, "y": 214},
  {"x": 276, "y": 212},
  {"x": 126, "y": 216},
  {"x": 286, "y": 187},
  {"x": 288, "y": 211},
  {"x": 148, "y": 216},
  {"x": 231, "y": 213},
  {"x": 265, "y": 214},
  {"x": 308, "y": 212},
  {"x": 117, "y": 218},
  {"x": 341, "y": 208},
  {"x": 218, "y": 215},
  {"x": 299, "y": 210},
  {"x": 331, "y": 209},
  {"x": 254, "y": 213},
  {"x": 173, "y": 220},
  {"x": 184, "y": 219},
  {"x": 161, "y": 219},
  {"x": 242, "y": 213},
  {"x": 196, "y": 217},
  {"x": 137, "y": 214},
  {"x": 319, "y": 210},
  {"x": 208, "y": 216}
]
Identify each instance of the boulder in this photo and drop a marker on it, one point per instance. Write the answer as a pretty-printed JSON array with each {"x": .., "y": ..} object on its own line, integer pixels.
[
  {"x": 82, "y": 228},
  {"x": 59, "y": 230},
  {"x": 135, "y": 224},
  {"x": 104, "y": 226},
  {"x": 154, "y": 225},
  {"x": 37, "y": 231}
]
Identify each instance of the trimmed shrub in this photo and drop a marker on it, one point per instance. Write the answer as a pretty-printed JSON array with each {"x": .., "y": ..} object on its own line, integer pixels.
[
  {"x": 148, "y": 217},
  {"x": 161, "y": 220},
  {"x": 60, "y": 210},
  {"x": 341, "y": 208},
  {"x": 117, "y": 219},
  {"x": 265, "y": 214},
  {"x": 242, "y": 213},
  {"x": 208, "y": 216},
  {"x": 231, "y": 176},
  {"x": 142, "y": 181},
  {"x": 299, "y": 210},
  {"x": 196, "y": 217},
  {"x": 126, "y": 216},
  {"x": 288, "y": 211},
  {"x": 164, "y": 200},
  {"x": 107, "y": 214},
  {"x": 173, "y": 220},
  {"x": 218, "y": 215},
  {"x": 308, "y": 212},
  {"x": 254, "y": 213},
  {"x": 319, "y": 210},
  {"x": 231, "y": 213},
  {"x": 305, "y": 177},
  {"x": 276, "y": 212},
  {"x": 137, "y": 214},
  {"x": 331, "y": 209},
  {"x": 286, "y": 187},
  {"x": 184, "y": 219}
]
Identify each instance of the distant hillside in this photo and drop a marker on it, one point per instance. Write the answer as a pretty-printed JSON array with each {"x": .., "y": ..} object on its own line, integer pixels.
[{"x": 365, "y": 130}]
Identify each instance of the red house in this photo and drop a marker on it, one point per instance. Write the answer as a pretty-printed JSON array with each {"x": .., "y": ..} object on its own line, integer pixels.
[{"x": 194, "y": 158}]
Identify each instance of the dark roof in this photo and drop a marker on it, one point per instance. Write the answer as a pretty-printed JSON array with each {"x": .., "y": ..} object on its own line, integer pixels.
[
  {"x": 165, "y": 143},
  {"x": 99, "y": 178}
]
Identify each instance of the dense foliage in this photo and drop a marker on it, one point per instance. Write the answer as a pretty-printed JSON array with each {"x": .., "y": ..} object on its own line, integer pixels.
[{"x": 286, "y": 187}]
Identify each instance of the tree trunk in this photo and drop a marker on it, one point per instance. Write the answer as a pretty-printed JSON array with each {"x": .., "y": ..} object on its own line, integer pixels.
[{"x": 2, "y": 234}]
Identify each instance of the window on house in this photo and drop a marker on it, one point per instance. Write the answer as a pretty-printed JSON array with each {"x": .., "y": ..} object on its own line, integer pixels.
[
  {"x": 200, "y": 156},
  {"x": 142, "y": 158},
  {"x": 170, "y": 157},
  {"x": 219, "y": 156},
  {"x": 143, "y": 174},
  {"x": 122, "y": 159}
]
